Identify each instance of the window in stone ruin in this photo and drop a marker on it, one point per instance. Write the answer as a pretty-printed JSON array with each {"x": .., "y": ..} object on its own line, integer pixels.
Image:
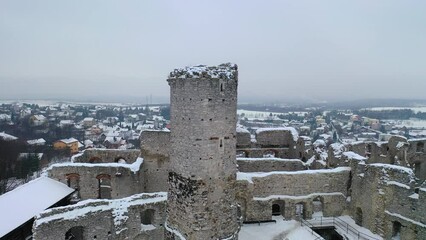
[
  {"x": 222, "y": 87},
  {"x": 221, "y": 143},
  {"x": 241, "y": 154},
  {"x": 358, "y": 216},
  {"x": 120, "y": 160},
  {"x": 104, "y": 186},
  {"x": 278, "y": 208},
  {"x": 73, "y": 181},
  {"x": 300, "y": 210},
  {"x": 420, "y": 147},
  {"x": 75, "y": 233},
  {"x": 396, "y": 230},
  {"x": 147, "y": 217},
  {"x": 95, "y": 160},
  {"x": 268, "y": 154}
]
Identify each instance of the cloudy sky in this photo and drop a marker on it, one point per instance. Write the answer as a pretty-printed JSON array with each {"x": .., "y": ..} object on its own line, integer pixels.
[{"x": 308, "y": 50}]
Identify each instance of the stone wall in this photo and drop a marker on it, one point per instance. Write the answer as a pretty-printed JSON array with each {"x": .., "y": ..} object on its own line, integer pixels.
[
  {"x": 383, "y": 193},
  {"x": 256, "y": 192},
  {"x": 139, "y": 217},
  {"x": 125, "y": 179},
  {"x": 243, "y": 138},
  {"x": 201, "y": 200},
  {"x": 155, "y": 148},
  {"x": 269, "y": 164},
  {"x": 107, "y": 155}
]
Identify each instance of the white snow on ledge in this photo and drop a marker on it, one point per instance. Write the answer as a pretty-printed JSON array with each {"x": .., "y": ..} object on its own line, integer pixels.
[
  {"x": 351, "y": 155},
  {"x": 249, "y": 176},
  {"x": 392, "y": 167},
  {"x": 269, "y": 159},
  {"x": 398, "y": 184},
  {"x": 406, "y": 219},
  {"x": 273, "y": 197},
  {"x": 134, "y": 167},
  {"x": 174, "y": 231}
]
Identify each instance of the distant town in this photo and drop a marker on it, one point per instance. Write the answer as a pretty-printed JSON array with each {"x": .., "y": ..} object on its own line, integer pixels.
[{"x": 34, "y": 136}]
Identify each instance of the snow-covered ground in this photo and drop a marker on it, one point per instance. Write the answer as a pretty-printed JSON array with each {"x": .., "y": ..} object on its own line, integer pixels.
[
  {"x": 292, "y": 230},
  {"x": 289, "y": 230}
]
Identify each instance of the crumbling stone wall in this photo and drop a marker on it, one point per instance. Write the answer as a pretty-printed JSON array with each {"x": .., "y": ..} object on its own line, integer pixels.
[
  {"x": 107, "y": 155},
  {"x": 269, "y": 164},
  {"x": 243, "y": 138},
  {"x": 380, "y": 193},
  {"x": 106, "y": 219},
  {"x": 257, "y": 192},
  {"x": 124, "y": 182},
  {"x": 155, "y": 148}
]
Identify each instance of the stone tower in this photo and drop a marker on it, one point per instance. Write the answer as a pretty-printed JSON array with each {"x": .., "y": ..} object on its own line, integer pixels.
[{"x": 201, "y": 199}]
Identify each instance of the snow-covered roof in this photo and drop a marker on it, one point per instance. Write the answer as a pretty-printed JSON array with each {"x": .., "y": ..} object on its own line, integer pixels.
[
  {"x": 7, "y": 137},
  {"x": 226, "y": 71},
  {"x": 23, "y": 203},
  {"x": 68, "y": 140},
  {"x": 39, "y": 141}
]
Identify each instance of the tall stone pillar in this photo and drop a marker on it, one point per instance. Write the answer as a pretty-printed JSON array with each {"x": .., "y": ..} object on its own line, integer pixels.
[{"x": 201, "y": 198}]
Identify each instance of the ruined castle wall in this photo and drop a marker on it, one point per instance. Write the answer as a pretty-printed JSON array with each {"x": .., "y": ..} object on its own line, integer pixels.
[
  {"x": 139, "y": 217},
  {"x": 380, "y": 191},
  {"x": 299, "y": 183},
  {"x": 261, "y": 152},
  {"x": 243, "y": 138},
  {"x": 107, "y": 155},
  {"x": 269, "y": 164},
  {"x": 124, "y": 181},
  {"x": 257, "y": 192},
  {"x": 155, "y": 147}
]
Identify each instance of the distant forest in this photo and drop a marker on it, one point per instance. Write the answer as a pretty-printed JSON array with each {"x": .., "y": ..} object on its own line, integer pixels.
[{"x": 400, "y": 114}]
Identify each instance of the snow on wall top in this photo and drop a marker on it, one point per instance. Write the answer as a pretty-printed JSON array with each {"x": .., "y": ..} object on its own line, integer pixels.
[
  {"x": 393, "y": 167},
  {"x": 7, "y": 137},
  {"x": 242, "y": 130},
  {"x": 249, "y": 176},
  {"x": 134, "y": 167},
  {"x": 268, "y": 159},
  {"x": 119, "y": 208},
  {"x": 23, "y": 203},
  {"x": 354, "y": 156},
  {"x": 222, "y": 71},
  {"x": 292, "y": 130}
]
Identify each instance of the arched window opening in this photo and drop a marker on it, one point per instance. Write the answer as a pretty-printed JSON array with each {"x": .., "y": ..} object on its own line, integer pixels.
[
  {"x": 268, "y": 154},
  {"x": 120, "y": 160},
  {"x": 358, "y": 216},
  {"x": 147, "y": 219},
  {"x": 73, "y": 181},
  {"x": 241, "y": 154},
  {"x": 104, "y": 186},
  {"x": 75, "y": 233},
  {"x": 420, "y": 147},
  {"x": 95, "y": 160},
  {"x": 396, "y": 230},
  {"x": 278, "y": 208}
]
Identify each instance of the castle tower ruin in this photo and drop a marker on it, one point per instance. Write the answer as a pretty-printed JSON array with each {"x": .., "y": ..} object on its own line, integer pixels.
[{"x": 201, "y": 199}]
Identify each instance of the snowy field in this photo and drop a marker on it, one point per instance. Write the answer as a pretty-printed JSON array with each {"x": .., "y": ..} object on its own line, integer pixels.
[{"x": 412, "y": 123}]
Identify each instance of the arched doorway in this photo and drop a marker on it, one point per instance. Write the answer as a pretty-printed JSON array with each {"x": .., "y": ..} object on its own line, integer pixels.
[
  {"x": 300, "y": 210},
  {"x": 104, "y": 186},
  {"x": 317, "y": 207},
  {"x": 396, "y": 230},
  {"x": 278, "y": 208}
]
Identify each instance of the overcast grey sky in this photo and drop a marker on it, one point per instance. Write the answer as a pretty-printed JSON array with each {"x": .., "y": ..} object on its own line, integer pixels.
[{"x": 285, "y": 49}]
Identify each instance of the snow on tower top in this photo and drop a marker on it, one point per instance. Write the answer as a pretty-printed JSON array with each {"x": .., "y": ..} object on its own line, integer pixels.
[{"x": 222, "y": 71}]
